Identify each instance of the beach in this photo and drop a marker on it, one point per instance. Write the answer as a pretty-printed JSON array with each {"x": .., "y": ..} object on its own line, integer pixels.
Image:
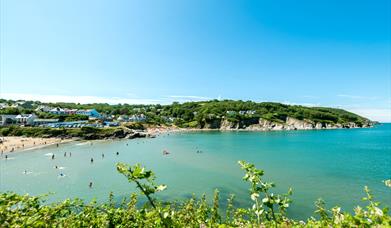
[{"x": 17, "y": 143}]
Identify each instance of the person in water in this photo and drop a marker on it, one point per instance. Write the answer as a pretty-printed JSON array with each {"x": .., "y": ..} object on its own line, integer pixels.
[
  {"x": 65, "y": 154},
  {"x": 70, "y": 154},
  {"x": 52, "y": 156},
  {"x": 103, "y": 155},
  {"x": 90, "y": 185},
  {"x": 92, "y": 160},
  {"x": 6, "y": 156},
  {"x": 117, "y": 153}
]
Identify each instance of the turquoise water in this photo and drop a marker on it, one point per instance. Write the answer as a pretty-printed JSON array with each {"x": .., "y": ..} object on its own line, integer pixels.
[{"x": 331, "y": 164}]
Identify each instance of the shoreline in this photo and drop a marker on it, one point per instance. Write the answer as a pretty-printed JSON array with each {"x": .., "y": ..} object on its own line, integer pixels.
[
  {"x": 14, "y": 144},
  {"x": 11, "y": 144}
]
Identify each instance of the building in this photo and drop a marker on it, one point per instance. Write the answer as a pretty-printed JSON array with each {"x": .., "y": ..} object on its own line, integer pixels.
[
  {"x": 138, "y": 118},
  {"x": 89, "y": 113},
  {"x": 43, "y": 108},
  {"x": 7, "y": 120},
  {"x": 57, "y": 111},
  {"x": 40, "y": 122},
  {"x": 70, "y": 111},
  {"x": 25, "y": 119}
]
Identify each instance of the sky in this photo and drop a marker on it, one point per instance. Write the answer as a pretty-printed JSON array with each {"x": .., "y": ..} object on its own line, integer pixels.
[{"x": 313, "y": 53}]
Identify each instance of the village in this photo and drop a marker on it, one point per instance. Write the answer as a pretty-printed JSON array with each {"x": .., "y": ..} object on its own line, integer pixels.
[{"x": 85, "y": 118}]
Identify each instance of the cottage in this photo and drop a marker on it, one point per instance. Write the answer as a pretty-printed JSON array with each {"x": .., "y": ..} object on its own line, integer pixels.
[
  {"x": 25, "y": 119},
  {"x": 57, "y": 111},
  {"x": 138, "y": 118}
]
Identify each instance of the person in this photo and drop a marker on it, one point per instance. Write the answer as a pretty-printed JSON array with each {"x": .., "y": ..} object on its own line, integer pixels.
[
  {"x": 56, "y": 167},
  {"x": 70, "y": 154},
  {"x": 127, "y": 144},
  {"x": 25, "y": 171},
  {"x": 52, "y": 156},
  {"x": 6, "y": 156},
  {"x": 165, "y": 152},
  {"x": 92, "y": 160},
  {"x": 57, "y": 144},
  {"x": 90, "y": 185},
  {"x": 103, "y": 155},
  {"x": 61, "y": 174},
  {"x": 117, "y": 153},
  {"x": 65, "y": 154}
]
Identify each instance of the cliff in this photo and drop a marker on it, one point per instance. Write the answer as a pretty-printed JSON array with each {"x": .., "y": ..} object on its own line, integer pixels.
[{"x": 260, "y": 124}]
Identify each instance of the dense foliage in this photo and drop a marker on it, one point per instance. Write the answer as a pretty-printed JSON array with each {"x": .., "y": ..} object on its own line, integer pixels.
[
  {"x": 45, "y": 132},
  {"x": 268, "y": 209}
]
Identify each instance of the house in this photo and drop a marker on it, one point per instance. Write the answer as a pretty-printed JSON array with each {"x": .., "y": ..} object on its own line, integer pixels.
[
  {"x": 57, "y": 111},
  {"x": 138, "y": 118},
  {"x": 7, "y": 120},
  {"x": 25, "y": 119},
  {"x": 231, "y": 112},
  {"x": 89, "y": 113},
  {"x": 248, "y": 112},
  {"x": 70, "y": 111},
  {"x": 43, "y": 108}
]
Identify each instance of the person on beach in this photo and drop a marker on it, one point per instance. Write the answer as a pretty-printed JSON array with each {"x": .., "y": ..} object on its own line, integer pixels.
[{"x": 90, "y": 185}]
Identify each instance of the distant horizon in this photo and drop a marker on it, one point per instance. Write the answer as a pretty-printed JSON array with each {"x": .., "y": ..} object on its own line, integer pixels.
[{"x": 331, "y": 53}]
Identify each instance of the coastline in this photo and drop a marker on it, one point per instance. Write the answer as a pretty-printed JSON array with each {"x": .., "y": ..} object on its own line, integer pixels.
[{"x": 11, "y": 144}]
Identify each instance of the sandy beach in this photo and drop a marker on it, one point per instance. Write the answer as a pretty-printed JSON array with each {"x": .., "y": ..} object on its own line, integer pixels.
[{"x": 15, "y": 143}]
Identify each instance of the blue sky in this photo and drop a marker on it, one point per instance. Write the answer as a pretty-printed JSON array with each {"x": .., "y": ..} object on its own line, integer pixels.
[{"x": 323, "y": 53}]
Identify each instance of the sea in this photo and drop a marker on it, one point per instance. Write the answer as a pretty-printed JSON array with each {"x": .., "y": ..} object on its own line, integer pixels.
[{"x": 333, "y": 165}]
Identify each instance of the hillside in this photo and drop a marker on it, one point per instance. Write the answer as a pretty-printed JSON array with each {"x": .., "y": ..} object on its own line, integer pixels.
[{"x": 215, "y": 114}]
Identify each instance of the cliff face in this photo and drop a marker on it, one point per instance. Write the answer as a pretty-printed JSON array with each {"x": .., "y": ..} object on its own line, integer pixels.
[{"x": 260, "y": 124}]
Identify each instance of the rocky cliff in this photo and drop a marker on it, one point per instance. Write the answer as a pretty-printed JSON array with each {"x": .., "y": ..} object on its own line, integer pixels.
[{"x": 259, "y": 124}]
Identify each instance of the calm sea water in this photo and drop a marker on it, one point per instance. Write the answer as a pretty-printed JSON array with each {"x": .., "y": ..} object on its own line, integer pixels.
[{"x": 332, "y": 164}]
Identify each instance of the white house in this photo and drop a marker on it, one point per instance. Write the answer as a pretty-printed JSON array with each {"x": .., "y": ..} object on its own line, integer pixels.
[
  {"x": 43, "y": 108},
  {"x": 25, "y": 119},
  {"x": 138, "y": 118},
  {"x": 57, "y": 111}
]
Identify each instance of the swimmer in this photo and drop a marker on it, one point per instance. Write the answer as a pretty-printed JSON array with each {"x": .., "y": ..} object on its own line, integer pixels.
[
  {"x": 90, "y": 185},
  {"x": 117, "y": 153}
]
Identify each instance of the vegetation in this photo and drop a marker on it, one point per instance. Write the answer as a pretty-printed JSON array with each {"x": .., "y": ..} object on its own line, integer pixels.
[
  {"x": 268, "y": 209},
  {"x": 45, "y": 132},
  {"x": 199, "y": 114}
]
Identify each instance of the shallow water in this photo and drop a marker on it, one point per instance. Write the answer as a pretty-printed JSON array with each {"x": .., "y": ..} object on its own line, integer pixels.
[{"x": 331, "y": 164}]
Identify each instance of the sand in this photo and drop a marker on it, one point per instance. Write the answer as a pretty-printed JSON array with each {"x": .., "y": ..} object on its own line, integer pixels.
[{"x": 15, "y": 143}]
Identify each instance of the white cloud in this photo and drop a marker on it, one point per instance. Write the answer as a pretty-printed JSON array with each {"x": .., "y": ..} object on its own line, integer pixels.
[{"x": 377, "y": 114}]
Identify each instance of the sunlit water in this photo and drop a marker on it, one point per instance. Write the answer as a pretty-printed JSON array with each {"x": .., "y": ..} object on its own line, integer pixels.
[{"x": 331, "y": 164}]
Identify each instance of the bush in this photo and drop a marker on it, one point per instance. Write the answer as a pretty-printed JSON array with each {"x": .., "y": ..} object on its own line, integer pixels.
[{"x": 268, "y": 209}]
